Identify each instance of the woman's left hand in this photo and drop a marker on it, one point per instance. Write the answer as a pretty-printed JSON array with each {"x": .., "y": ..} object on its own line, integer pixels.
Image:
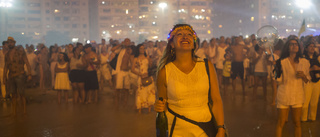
[{"x": 221, "y": 132}]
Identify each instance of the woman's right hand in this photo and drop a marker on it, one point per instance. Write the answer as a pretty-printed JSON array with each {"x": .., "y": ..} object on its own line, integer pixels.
[{"x": 160, "y": 106}]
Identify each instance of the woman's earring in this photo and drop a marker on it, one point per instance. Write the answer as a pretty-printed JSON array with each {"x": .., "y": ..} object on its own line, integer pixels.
[{"x": 173, "y": 52}]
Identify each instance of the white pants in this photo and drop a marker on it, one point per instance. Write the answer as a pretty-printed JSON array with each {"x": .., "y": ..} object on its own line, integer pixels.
[
  {"x": 312, "y": 91},
  {"x": 123, "y": 80}
]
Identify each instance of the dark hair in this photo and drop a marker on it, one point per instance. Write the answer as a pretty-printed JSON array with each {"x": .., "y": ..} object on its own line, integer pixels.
[
  {"x": 305, "y": 52},
  {"x": 65, "y": 56},
  {"x": 138, "y": 51},
  {"x": 256, "y": 47},
  {"x": 279, "y": 45},
  {"x": 285, "y": 51},
  {"x": 74, "y": 50},
  {"x": 4, "y": 42},
  {"x": 78, "y": 44},
  {"x": 50, "y": 51}
]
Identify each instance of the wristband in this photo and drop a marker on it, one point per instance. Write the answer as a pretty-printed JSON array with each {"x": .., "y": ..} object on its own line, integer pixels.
[{"x": 221, "y": 126}]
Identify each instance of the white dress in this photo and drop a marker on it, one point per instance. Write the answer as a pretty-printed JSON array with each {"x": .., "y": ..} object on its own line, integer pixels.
[
  {"x": 291, "y": 89},
  {"x": 105, "y": 70},
  {"x": 145, "y": 96},
  {"x": 188, "y": 96}
]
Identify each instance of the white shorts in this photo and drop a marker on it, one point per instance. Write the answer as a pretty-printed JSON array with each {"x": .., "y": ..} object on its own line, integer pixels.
[
  {"x": 123, "y": 80},
  {"x": 288, "y": 106}
]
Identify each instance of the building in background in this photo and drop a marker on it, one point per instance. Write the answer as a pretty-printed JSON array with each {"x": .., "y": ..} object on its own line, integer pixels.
[
  {"x": 233, "y": 18},
  {"x": 148, "y": 19},
  {"x": 45, "y": 21}
]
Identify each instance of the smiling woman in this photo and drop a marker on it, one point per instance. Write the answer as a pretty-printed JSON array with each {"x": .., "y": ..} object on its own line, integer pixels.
[{"x": 187, "y": 84}]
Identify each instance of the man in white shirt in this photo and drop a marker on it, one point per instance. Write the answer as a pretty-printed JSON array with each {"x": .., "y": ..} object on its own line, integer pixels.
[{"x": 33, "y": 62}]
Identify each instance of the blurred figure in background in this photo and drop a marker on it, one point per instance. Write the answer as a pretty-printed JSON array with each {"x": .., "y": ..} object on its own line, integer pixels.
[
  {"x": 3, "y": 52},
  {"x": 312, "y": 89},
  {"x": 53, "y": 55},
  {"x": 14, "y": 64},
  {"x": 62, "y": 83}
]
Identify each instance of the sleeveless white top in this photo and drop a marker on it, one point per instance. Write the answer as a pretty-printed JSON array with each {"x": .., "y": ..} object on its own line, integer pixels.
[
  {"x": 188, "y": 96},
  {"x": 74, "y": 62},
  {"x": 188, "y": 93}
]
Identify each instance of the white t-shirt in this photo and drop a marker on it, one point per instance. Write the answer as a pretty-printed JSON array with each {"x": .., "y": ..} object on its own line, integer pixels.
[
  {"x": 32, "y": 61},
  {"x": 261, "y": 65},
  {"x": 220, "y": 57}
]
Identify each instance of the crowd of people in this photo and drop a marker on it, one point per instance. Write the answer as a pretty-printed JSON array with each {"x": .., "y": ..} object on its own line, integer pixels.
[{"x": 292, "y": 66}]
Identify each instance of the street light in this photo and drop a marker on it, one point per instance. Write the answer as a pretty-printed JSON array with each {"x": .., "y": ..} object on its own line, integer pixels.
[
  {"x": 305, "y": 4},
  {"x": 163, "y": 5}
]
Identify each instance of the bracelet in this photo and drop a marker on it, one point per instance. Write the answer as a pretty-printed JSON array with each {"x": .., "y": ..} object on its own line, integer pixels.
[{"x": 221, "y": 126}]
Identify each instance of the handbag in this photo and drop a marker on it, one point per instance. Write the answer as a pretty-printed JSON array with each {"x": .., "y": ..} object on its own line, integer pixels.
[{"x": 146, "y": 81}]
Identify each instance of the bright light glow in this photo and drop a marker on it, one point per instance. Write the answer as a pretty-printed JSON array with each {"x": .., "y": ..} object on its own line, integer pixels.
[
  {"x": 155, "y": 17},
  {"x": 301, "y": 11},
  {"x": 36, "y": 33},
  {"x": 130, "y": 26},
  {"x": 118, "y": 31},
  {"x": 197, "y": 16},
  {"x": 247, "y": 36},
  {"x": 153, "y": 23},
  {"x": 308, "y": 26},
  {"x": 56, "y": 11},
  {"x": 112, "y": 26},
  {"x": 220, "y": 26},
  {"x": 155, "y": 37},
  {"x": 104, "y": 32},
  {"x": 103, "y": 2},
  {"x": 209, "y": 32},
  {"x": 74, "y": 40},
  {"x": 22, "y": 33},
  {"x": 252, "y": 18},
  {"x": 240, "y": 21},
  {"x": 127, "y": 11},
  {"x": 5, "y": 4},
  {"x": 163, "y": 5},
  {"x": 88, "y": 41},
  {"x": 203, "y": 10},
  {"x": 151, "y": 2},
  {"x": 294, "y": 29},
  {"x": 305, "y": 4}
]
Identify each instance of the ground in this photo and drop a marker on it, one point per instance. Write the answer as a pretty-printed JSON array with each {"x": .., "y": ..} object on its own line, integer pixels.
[{"x": 244, "y": 117}]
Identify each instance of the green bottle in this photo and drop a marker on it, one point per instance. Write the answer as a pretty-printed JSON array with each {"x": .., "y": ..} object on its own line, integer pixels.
[{"x": 162, "y": 123}]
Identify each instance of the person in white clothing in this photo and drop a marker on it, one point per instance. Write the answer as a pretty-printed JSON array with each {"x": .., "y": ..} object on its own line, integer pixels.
[
  {"x": 212, "y": 51},
  {"x": 184, "y": 85},
  {"x": 221, "y": 51},
  {"x": 202, "y": 52},
  {"x": 292, "y": 74},
  {"x": 260, "y": 70}
]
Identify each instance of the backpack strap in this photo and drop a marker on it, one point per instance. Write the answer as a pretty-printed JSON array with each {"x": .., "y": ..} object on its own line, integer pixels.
[{"x": 208, "y": 73}]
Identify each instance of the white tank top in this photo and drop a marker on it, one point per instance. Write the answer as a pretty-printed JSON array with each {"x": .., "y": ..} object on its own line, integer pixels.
[{"x": 188, "y": 93}]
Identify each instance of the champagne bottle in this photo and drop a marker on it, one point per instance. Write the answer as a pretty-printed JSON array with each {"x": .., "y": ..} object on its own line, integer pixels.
[{"x": 162, "y": 123}]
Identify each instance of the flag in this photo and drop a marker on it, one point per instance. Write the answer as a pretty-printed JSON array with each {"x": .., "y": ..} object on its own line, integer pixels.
[{"x": 303, "y": 28}]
